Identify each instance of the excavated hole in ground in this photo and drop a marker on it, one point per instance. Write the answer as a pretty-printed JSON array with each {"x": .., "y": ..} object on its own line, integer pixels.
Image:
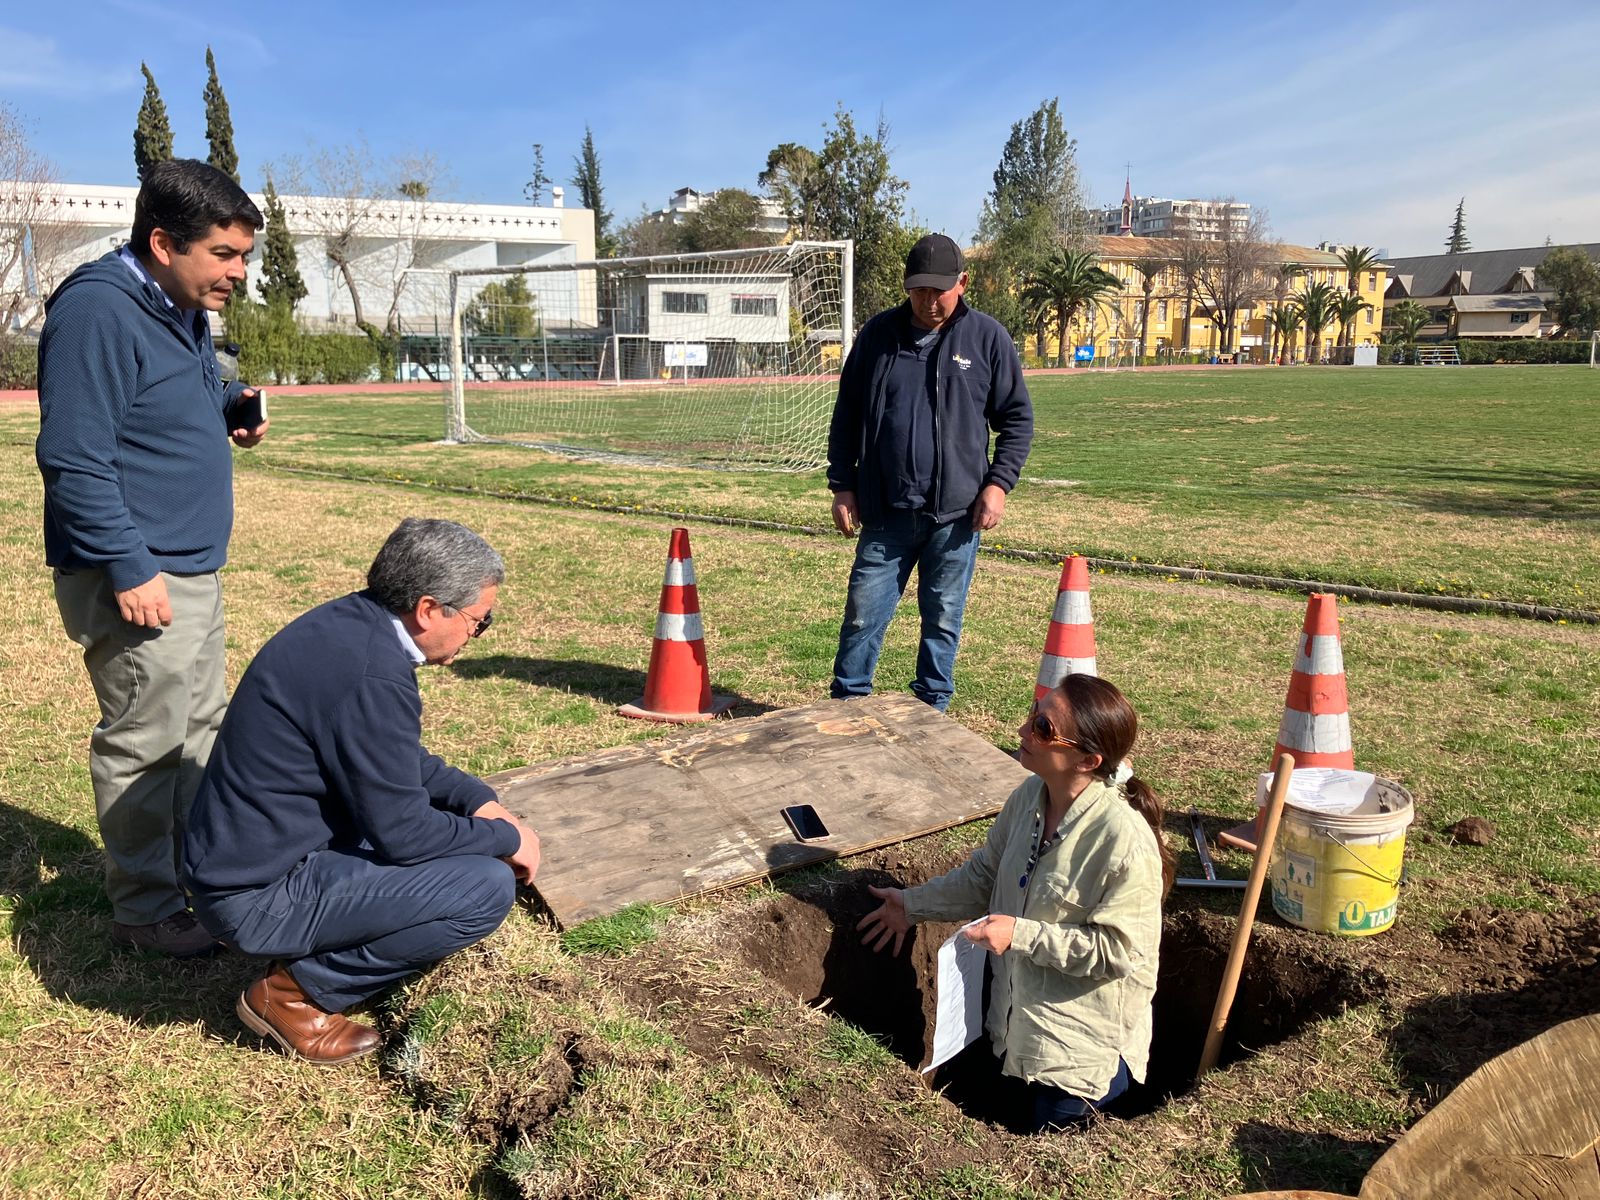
[{"x": 806, "y": 942}]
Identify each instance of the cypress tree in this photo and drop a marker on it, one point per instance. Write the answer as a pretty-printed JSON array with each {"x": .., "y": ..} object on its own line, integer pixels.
[
  {"x": 152, "y": 136},
  {"x": 219, "y": 124},
  {"x": 1458, "y": 242},
  {"x": 591, "y": 194},
  {"x": 280, "y": 282}
]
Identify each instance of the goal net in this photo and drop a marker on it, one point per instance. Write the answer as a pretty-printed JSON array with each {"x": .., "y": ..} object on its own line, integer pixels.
[{"x": 728, "y": 358}]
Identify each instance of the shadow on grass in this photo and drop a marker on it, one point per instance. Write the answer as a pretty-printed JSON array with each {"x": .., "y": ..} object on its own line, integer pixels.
[
  {"x": 606, "y": 683},
  {"x": 1439, "y": 1042},
  {"x": 1288, "y": 1159},
  {"x": 61, "y": 926}
]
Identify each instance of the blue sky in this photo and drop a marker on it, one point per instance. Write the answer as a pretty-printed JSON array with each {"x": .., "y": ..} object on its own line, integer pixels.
[{"x": 1363, "y": 124}]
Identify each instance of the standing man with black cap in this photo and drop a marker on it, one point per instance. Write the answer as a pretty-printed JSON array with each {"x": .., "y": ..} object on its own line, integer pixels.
[{"x": 909, "y": 462}]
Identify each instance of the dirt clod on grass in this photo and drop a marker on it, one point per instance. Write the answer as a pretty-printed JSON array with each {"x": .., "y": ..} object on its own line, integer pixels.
[{"x": 1472, "y": 831}]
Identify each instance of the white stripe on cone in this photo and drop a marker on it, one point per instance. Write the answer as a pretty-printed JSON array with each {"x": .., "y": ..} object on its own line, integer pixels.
[
  {"x": 1053, "y": 668},
  {"x": 1307, "y": 733},
  {"x": 680, "y": 572},
  {"x": 1321, "y": 658},
  {"x": 1072, "y": 608},
  {"x": 679, "y": 627}
]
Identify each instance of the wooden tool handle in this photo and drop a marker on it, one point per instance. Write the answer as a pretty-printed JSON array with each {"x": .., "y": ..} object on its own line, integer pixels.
[{"x": 1247, "y": 917}]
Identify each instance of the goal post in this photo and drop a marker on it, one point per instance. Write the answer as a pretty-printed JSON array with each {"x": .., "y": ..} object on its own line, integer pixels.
[{"x": 726, "y": 358}]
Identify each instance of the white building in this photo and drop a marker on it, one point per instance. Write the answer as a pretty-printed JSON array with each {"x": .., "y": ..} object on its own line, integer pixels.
[
  {"x": 686, "y": 200},
  {"x": 398, "y": 248},
  {"x": 1156, "y": 217}
]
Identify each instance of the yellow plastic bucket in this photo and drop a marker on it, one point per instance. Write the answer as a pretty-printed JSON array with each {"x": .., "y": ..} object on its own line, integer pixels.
[{"x": 1340, "y": 873}]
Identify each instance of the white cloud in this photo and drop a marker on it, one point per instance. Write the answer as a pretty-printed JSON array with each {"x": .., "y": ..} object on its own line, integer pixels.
[{"x": 35, "y": 64}]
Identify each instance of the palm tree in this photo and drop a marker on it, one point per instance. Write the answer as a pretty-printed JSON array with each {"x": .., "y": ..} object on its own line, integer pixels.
[
  {"x": 1407, "y": 318},
  {"x": 1347, "y": 307},
  {"x": 1355, "y": 260},
  {"x": 1063, "y": 285},
  {"x": 1284, "y": 320},
  {"x": 1316, "y": 303},
  {"x": 1149, "y": 270},
  {"x": 1284, "y": 276}
]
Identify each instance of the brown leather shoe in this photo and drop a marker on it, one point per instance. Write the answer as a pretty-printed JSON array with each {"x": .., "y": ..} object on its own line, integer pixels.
[
  {"x": 275, "y": 1006},
  {"x": 178, "y": 936}
]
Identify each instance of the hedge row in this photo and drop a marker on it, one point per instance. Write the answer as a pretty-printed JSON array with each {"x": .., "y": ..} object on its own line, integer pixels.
[
  {"x": 1524, "y": 350},
  {"x": 274, "y": 349},
  {"x": 19, "y": 363}
]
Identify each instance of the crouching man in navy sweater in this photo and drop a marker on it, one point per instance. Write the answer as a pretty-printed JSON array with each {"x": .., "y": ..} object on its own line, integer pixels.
[{"x": 325, "y": 836}]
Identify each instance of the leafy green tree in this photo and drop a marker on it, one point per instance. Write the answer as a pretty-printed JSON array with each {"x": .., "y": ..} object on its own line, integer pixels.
[
  {"x": 1065, "y": 284},
  {"x": 1149, "y": 272},
  {"x": 788, "y": 180},
  {"x": 219, "y": 124},
  {"x": 649, "y": 233},
  {"x": 1575, "y": 279},
  {"x": 1317, "y": 303},
  {"x": 1348, "y": 307},
  {"x": 1284, "y": 322},
  {"x": 1355, "y": 260},
  {"x": 1407, "y": 319},
  {"x": 854, "y": 193},
  {"x": 280, "y": 282},
  {"x": 592, "y": 195},
  {"x": 152, "y": 135},
  {"x": 502, "y": 309},
  {"x": 1458, "y": 242},
  {"x": 535, "y": 188},
  {"x": 1035, "y": 206},
  {"x": 729, "y": 219}
]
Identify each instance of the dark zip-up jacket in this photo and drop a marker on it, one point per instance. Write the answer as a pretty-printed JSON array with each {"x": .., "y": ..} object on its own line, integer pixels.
[
  {"x": 133, "y": 431},
  {"x": 978, "y": 388},
  {"x": 322, "y": 748}
]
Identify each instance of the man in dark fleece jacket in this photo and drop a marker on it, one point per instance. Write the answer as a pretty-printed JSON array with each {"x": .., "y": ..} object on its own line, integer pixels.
[
  {"x": 908, "y": 459},
  {"x": 324, "y": 835},
  {"x": 134, "y": 422}
]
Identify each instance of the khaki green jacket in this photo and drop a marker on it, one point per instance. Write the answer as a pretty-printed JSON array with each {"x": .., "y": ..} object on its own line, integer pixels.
[{"x": 1073, "y": 992}]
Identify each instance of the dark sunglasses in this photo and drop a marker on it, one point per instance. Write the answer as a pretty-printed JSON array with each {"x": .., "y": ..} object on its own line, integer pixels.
[
  {"x": 481, "y": 624},
  {"x": 1045, "y": 732}
]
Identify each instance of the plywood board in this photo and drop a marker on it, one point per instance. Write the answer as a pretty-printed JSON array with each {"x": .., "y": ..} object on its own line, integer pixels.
[{"x": 700, "y": 810}]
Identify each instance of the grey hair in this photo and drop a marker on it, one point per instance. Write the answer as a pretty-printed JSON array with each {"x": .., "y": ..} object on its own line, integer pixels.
[{"x": 427, "y": 557}]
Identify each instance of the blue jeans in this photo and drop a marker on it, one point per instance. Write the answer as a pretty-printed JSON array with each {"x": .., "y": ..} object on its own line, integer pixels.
[
  {"x": 348, "y": 924},
  {"x": 1054, "y": 1108},
  {"x": 944, "y": 556}
]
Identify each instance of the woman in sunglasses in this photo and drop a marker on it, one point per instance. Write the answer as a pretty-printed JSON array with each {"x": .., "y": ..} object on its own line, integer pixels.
[{"x": 1066, "y": 894}]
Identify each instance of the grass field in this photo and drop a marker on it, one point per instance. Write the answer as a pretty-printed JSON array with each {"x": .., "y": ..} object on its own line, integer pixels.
[
  {"x": 1474, "y": 481},
  {"x": 652, "y": 1059}
]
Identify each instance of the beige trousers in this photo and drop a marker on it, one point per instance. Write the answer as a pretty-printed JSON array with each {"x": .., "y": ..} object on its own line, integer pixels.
[{"x": 162, "y": 694}]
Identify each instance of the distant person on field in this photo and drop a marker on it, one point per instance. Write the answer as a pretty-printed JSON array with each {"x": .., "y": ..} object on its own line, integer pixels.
[
  {"x": 134, "y": 422},
  {"x": 325, "y": 836},
  {"x": 909, "y": 462},
  {"x": 1068, "y": 887}
]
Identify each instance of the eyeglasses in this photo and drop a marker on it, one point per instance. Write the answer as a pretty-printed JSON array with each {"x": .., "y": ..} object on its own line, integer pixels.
[
  {"x": 480, "y": 624},
  {"x": 1045, "y": 732}
]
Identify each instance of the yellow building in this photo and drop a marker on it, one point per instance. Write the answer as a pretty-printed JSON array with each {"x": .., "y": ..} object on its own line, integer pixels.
[{"x": 1178, "y": 325}]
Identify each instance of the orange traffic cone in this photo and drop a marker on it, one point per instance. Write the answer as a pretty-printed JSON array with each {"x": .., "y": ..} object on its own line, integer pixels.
[
  {"x": 1069, "y": 646},
  {"x": 677, "y": 689},
  {"x": 1315, "y": 728}
]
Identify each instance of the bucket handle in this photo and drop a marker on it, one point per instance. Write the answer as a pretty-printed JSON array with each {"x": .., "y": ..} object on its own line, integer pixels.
[{"x": 1393, "y": 881}]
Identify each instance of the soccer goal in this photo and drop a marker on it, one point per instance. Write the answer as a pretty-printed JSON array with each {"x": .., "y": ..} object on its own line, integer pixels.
[
  {"x": 728, "y": 358},
  {"x": 1594, "y": 348}
]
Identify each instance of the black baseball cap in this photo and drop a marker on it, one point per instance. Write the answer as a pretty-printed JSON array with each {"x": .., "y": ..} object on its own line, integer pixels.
[{"x": 934, "y": 262}]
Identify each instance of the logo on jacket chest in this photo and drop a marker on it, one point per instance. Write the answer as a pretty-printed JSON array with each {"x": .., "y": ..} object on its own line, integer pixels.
[{"x": 963, "y": 363}]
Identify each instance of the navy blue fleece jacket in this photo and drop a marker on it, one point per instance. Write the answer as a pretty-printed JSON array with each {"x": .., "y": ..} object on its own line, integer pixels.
[
  {"x": 133, "y": 432},
  {"x": 978, "y": 387},
  {"x": 322, "y": 748}
]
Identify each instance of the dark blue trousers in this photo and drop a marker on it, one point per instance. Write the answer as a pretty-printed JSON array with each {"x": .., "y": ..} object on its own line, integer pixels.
[{"x": 348, "y": 924}]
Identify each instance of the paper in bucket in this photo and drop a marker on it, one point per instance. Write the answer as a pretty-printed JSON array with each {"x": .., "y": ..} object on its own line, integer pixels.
[{"x": 1340, "y": 850}]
